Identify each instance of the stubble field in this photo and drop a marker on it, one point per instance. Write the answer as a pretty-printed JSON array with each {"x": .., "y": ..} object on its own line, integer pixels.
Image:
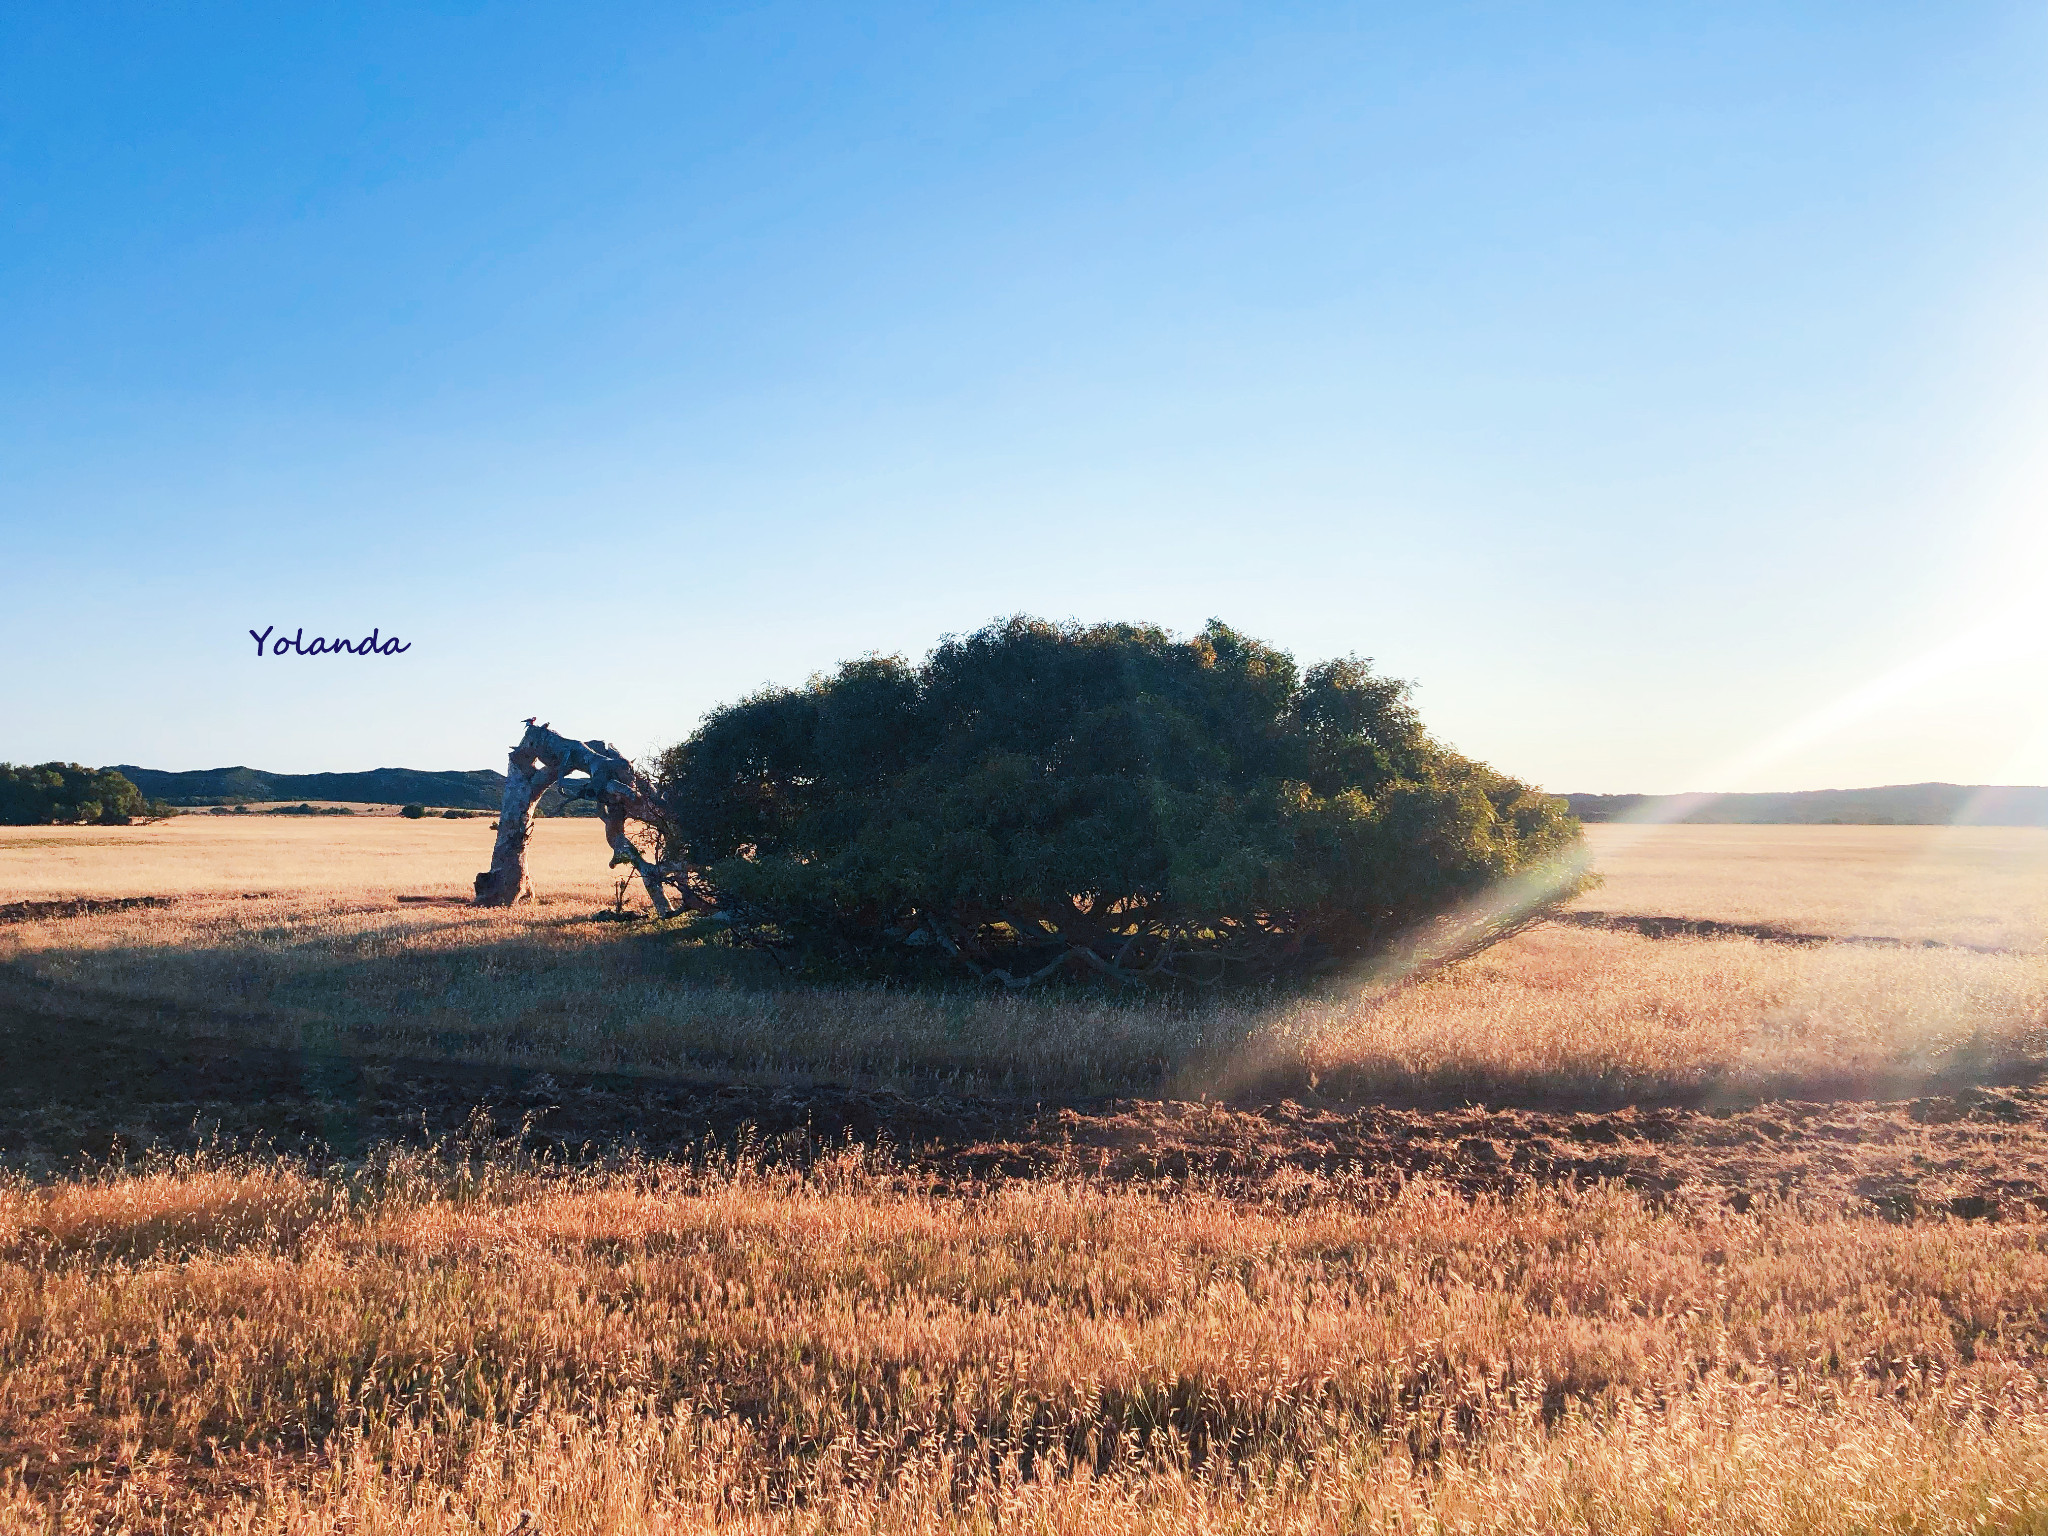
[{"x": 1719, "y": 1207}]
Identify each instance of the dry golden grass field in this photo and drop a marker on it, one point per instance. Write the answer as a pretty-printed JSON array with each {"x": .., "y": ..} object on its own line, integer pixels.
[{"x": 1721, "y": 1207}]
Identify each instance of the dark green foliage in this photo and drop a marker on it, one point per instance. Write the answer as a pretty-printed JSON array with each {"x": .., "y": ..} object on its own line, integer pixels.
[
  {"x": 64, "y": 794},
  {"x": 412, "y": 812},
  {"x": 1109, "y": 798}
]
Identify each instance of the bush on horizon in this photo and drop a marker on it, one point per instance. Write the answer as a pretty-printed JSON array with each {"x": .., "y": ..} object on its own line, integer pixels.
[
  {"x": 1038, "y": 798},
  {"x": 68, "y": 794}
]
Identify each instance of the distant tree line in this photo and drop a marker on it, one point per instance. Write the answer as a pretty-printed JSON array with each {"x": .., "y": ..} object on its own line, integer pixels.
[
  {"x": 477, "y": 790},
  {"x": 1883, "y": 805},
  {"x": 67, "y": 794}
]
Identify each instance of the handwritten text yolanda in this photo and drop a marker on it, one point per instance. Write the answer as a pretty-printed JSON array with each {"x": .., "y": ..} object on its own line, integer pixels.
[{"x": 297, "y": 645}]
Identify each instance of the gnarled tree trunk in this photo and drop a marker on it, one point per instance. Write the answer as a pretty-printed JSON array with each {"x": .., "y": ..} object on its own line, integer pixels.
[{"x": 544, "y": 758}]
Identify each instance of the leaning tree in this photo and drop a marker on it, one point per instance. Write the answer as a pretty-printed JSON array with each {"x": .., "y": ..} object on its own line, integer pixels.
[
  {"x": 1039, "y": 799},
  {"x": 595, "y": 771}
]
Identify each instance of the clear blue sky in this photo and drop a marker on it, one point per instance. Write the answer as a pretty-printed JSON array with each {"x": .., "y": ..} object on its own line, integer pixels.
[{"x": 1660, "y": 387}]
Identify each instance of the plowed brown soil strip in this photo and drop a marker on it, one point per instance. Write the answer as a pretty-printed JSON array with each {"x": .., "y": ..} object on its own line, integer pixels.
[
  {"x": 1652, "y": 926},
  {"x": 79, "y": 1088}
]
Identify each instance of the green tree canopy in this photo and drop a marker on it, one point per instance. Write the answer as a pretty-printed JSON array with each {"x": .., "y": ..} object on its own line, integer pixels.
[
  {"x": 1109, "y": 797},
  {"x": 56, "y": 794}
]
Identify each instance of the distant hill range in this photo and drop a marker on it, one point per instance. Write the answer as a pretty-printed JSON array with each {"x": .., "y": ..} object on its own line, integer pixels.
[
  {"x": 1901, "y": 805},
  {"x": 474, "y": 789}
]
